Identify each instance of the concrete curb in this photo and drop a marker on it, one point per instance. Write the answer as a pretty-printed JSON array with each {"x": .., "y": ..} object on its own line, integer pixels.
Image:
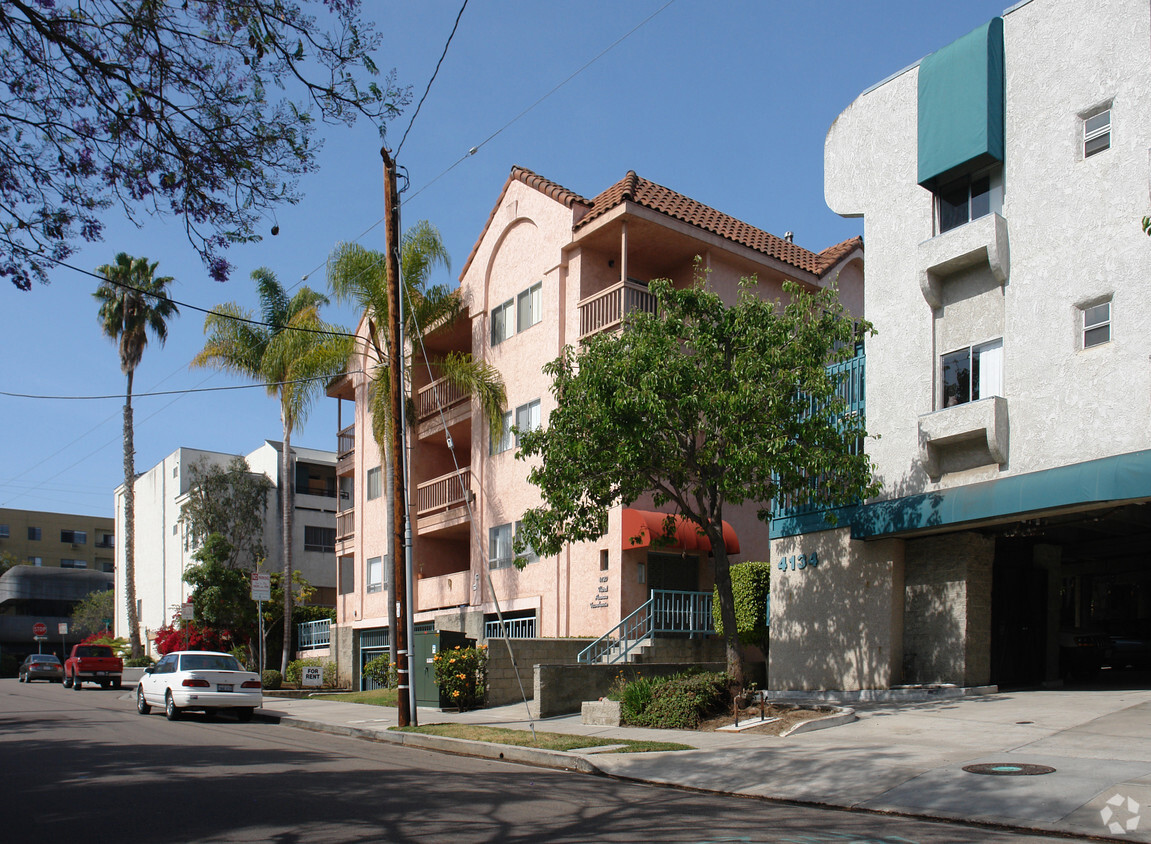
[
  {"x": 556, "y": 759},
  {"x": 842, "y": 715}
]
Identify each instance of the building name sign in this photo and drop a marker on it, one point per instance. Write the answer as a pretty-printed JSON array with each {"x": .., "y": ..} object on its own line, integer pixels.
[
  {"x": 600, "y": 600},
  {"x": 798, "y": 562}
]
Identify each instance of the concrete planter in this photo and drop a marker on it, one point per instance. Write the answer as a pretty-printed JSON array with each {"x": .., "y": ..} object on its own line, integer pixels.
[{"x": 600, "y": 713}]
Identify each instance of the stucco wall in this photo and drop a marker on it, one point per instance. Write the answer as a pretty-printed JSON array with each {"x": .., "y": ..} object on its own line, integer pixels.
[{"x": 838, "y": 625}]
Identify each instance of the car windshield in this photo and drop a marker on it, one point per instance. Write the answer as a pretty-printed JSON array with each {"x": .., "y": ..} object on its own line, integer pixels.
[
  {"x": 94, "y": 650},
  {"x": 208, "y": 662}
]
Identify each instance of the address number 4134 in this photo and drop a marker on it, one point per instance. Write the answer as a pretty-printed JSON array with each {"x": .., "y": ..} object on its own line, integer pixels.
[{"x": 798, "y": 562}]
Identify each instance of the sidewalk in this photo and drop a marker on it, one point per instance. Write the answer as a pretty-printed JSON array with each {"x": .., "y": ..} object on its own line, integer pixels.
[{"x": 904, "y": 758}]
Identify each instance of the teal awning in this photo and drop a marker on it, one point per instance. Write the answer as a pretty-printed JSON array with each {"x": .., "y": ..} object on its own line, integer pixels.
[
  {"x": 1123, "y": 478},
  {"x": 961, "y": 106}
]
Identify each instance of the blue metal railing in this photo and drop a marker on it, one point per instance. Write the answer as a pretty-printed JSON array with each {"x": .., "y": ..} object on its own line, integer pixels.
[
  {"x": 665, "y": 612},
  {"x": 852, "y": 377},
  {"x": 314, "y": 634},
  {"x": 513, "y": 628}
]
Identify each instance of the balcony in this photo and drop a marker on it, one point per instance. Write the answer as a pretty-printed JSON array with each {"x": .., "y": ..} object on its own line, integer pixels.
[
  {"x": 604, "y": 311},
  {"x": 346, "y": 451},
  {"x": 441, "y": 404},
  {"x": 345, "y": 525},
  {"x": 442, "y": 502},
  {"x": 447, "y": 590}
]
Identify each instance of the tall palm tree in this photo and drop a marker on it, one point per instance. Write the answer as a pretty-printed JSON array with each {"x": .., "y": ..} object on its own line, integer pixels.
[
  {"x": 133, "y": 301},
  {"x": 358, "y": 276},
  {"x": 293, "y": 353}
]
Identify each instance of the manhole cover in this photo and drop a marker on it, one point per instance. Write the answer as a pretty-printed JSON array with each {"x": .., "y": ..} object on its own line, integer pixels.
[{"x": 1009, "y": 769}]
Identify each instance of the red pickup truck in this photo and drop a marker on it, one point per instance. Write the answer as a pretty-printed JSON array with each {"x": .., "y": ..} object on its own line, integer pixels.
[{"x": 93, "y": 664}]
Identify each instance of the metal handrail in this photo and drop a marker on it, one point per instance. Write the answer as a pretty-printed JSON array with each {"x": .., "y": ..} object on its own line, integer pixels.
[
  {"x": 666, "y": 611},
  {"x": 315, "y": 634},
  {"x": 512, "y": 628}
]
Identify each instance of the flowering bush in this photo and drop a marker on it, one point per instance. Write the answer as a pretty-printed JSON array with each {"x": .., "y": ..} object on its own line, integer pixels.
[
  {"x": 183, "y": 635},
  {"x": 461, "y": 674},
  {"x": 381, "y": 671}
]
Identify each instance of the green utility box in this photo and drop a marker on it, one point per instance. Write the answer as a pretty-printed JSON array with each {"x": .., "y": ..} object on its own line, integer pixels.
[{"x": 423, "y": 673}]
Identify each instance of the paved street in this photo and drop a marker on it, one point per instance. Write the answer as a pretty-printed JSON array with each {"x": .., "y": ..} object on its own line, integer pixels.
[{"x": 84, "y": 766}]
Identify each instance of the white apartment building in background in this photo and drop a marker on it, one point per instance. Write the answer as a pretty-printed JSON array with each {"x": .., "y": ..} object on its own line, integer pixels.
[
  {"x": 163, "y": 554},
  {"x": 1002, "y": 181}
]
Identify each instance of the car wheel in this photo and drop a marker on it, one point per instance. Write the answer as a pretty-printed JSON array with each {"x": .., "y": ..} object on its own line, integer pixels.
[
  {"x": 244, "y": 714},
  {"x": 171, "y": 711},
  {"x": 117, "y": 685},
  {"x": 67, "y": 681},
  {"x": 19, "y": 678},
  {"x": 77, "y": 683},
  {"x": 142, "y": 705}
]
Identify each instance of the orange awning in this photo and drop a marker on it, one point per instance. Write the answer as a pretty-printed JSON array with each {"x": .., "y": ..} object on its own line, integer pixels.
[{"x": 640, "y": 526}]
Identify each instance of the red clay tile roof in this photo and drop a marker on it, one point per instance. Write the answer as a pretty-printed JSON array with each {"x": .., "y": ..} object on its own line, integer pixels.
[{"x": 632, "y": 188}]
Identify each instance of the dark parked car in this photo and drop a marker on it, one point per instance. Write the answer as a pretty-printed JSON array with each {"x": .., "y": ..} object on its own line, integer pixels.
[
  {"x": 1130, "y": 648},
  {"x": 41, "y": 667}
]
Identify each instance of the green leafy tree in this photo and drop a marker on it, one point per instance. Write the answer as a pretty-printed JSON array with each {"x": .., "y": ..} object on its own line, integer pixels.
[
  {"x": 221, "y": 593},
  {"x": 230, "y": 502},
  {"x": 168, "y": 108},
  {"x": 94, "y": 613},
  {"x": 750, "y": 588},
  {"x": 293, "y": 353},
  {"x": 133, "y": 304},
  {"x": 358, "y": 276},
  {"x": 8, "y": 561},
  {"x": 701, "y": 406}
]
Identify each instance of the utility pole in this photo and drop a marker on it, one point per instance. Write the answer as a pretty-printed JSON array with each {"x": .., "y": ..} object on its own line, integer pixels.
[{"x": 399, "y": 484}]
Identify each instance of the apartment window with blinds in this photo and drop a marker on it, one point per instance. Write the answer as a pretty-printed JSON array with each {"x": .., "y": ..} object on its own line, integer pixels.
[
  {"x": 503, "y": 322},
  {"x": 1096, "y": 325},
  {"x": 504, "y": 440},
  {"x": 373, "y": 483},
  {"x": 972, "y": 373},
  {"x": 319, "y": 538},
  {"x": 500, "y": 546},
  {"x": 375, "y": 574},
  {"x": 527, "y": 418},
  {"x": 529, "y": 307},
  {"x": 1096, "y": 133}
]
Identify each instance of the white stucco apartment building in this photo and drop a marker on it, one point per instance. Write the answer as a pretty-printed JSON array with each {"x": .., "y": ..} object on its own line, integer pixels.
[
  {"x": 549, "y": 267},
  {"x": 163, "y": 554},
  {"x": 1002, "y": 181}
]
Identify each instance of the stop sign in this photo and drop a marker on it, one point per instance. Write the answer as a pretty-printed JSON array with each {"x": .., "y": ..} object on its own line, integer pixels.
[{"x": 39, "y": 629}]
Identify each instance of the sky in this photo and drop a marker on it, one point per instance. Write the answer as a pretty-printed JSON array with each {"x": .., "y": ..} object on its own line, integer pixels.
[{"x": 725, "y": 101}]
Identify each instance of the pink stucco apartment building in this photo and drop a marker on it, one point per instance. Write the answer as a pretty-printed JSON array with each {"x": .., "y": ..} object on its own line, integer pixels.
[{"x": 549, "y": 268}]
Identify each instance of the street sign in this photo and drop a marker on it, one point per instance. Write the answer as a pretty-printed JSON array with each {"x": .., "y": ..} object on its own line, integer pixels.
[
  {"x": 39, "y": 629},
  {"x": 261, "y": 586},
  {"x": 62, "y": 628},
  {"x": 187, "y": 612}
]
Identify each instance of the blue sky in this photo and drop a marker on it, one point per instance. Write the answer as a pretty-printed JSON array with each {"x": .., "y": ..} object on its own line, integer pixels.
[{"x": 726, "y": 102}]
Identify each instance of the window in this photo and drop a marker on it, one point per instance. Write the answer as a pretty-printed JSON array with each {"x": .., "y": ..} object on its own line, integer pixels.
[
  {"x": 528, "y": 555},
  {"x": 527, "y": 418},
  {"x": 375, "y": 578},
  {"x": 1096, "y": 133},
  {"x": 35, "y": 561},
  {"x": 373, "y": 484},
  {"x": 319, "y": 539},
  {"x": 500, "y": 546},
  {"x": 3, "y": 531},
  {"x": 105, "y": 540},
  {"x": 973, "y": 373},
  {"x": 34, "y": 534},
  {"x": 73, "y": 564},
  {"x": 502, "y": 325},
  {"x": 76, "y": 537},
  {"x": 504, "y": 441},
  {"x": 529, "y": 307},
  {"x": 1096, "y": 325},
  {"x": 106, "y": 566},
  {"x": 965, "y": 200}
]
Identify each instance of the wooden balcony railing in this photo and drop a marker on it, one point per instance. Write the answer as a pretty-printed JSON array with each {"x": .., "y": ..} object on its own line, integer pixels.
[
  {"x": 443, "y": 493},
  {"x": 345, "y": 525},
  {"x": 605, "y": 310},
  {"x": 346, "y": 442},
  {"x": 439, "y": 395}
]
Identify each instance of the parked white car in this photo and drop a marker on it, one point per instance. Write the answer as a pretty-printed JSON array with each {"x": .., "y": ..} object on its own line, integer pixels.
[{"x": 204, "y": 680}]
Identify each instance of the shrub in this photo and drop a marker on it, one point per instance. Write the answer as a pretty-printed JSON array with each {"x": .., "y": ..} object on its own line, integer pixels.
[
  {"x": 120, "y": 646},
  {"x": 271, "y": 679},
  {"x": 295, "y": 672},
  {"x": 678, "y": 702},
  {"x": 382, "y": 672},
  {"x": 142, "y": 661},
  {"x": 461, "y": 674}
]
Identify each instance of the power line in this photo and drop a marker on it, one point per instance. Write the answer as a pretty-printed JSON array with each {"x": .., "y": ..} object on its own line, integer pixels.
[
  {"x": 416, "y": 113},
  {"x": 173, "y": 392}
]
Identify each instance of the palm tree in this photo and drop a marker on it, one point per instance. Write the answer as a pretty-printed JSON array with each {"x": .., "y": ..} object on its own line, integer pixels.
[
  {"x": 133, "y": 301},
  {"x": 293, "y": 353},
  {"x": 357, "y": 275}
]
